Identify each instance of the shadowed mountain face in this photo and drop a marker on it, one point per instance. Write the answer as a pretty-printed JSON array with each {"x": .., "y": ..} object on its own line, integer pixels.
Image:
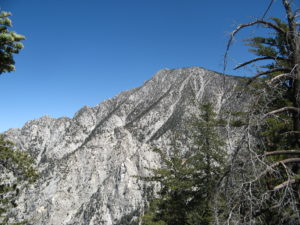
[{"x": 88, "y": 163}]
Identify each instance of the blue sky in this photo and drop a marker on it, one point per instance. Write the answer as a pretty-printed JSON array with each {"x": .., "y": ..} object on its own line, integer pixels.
[{"x": 81, "y": 52}]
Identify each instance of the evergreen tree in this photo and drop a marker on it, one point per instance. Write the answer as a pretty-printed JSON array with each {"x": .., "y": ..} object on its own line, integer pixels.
[
  {"x": 10, "y": 43},
  {"x": 270, "y": 189},
  {"x": 16, "y": 172},
  {"x": 209, "y": 159},
  {"x": 16, "y": 168},
  {"x": 187, "y": 184}
]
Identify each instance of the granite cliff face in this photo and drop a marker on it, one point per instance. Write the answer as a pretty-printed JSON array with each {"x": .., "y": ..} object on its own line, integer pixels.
[{"x": 87, "y": 163}]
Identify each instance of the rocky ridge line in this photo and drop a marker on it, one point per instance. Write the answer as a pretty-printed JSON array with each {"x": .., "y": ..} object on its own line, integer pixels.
[{"x": 88, "y": 163}]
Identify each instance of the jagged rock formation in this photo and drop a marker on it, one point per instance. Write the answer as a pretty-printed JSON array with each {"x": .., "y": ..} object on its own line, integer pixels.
[{"x": 87, "y": 163}]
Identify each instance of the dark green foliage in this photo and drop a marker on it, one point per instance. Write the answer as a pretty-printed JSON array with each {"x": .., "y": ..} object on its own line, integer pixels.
[
  {"x": 275, "y": 46},
  {"x": 16, "y": 168},
  {"x": 151, "y": 216},
  {"x": 274, "y": 191},
  {"x": 16, "y": 172},
  {"x": 209, "y": 158},
  {"x": 10, "y": 43},
  {"x": 276, "y": 130},
  {"x": 176, "y": 193},
  {"x": 130, "y": 219},
  {"x": 188, "y": 180}
]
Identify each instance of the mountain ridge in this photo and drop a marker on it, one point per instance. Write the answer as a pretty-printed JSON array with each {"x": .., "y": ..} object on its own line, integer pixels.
[{"x": 87, "y": 162}]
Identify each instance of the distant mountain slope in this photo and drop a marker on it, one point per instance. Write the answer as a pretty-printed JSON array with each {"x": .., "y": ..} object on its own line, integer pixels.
[{"x": 87, "y": 163}]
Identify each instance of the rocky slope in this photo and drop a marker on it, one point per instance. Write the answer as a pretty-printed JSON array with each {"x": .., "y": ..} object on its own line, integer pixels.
[{"x": 87, "y": 163}]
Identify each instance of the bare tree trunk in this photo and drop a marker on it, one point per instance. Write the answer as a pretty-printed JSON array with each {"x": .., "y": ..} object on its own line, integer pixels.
[
  {"x": 296, "y": 116},
  {"x": 294, "y": 41}
]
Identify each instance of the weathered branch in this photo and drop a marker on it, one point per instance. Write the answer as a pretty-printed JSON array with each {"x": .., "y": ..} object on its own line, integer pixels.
[
  {"x": 259, "y": 212},
  {"x": 291, "y": 132},
  {"x": 284, "y": 184},
  {"x": 276, "y": 164},
  {"x": 287, "y": 108},
  {"x": 282, "y": 152},
  {"x": 268, "y": 8},
  {"x": 258, "y": 59},
  {"x": 268, "y": 72},
  {"x": 285, "y": 161},
  {"x": 266, "y": 23},
  {"x": 233, "y": 33},
  {"x": 284, "y": 75},
  {"x": 279, "y": 77}
]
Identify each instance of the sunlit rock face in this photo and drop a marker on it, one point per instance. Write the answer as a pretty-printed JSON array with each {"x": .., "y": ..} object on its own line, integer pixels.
[{"x": 88, "y": 163}]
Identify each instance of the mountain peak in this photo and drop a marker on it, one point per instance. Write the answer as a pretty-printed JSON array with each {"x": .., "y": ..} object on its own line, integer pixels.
[{"x": 87, "y": 163}]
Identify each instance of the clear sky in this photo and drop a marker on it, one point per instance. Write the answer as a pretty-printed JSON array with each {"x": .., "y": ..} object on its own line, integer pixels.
[{"x": 81, "y": 52}]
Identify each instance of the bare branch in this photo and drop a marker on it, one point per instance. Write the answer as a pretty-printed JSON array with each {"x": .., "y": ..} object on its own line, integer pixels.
[
  {"x": 259, "y": 212},
  {"x": 285, "y": 75},
  {"x": 276, "y": 164},
  {"x": 280, "y": 77},
  {"x": 291, "y": 132},
  {"x": 240, "y": 27},
  {"x": 287, "y": 108},
  {"x": 285, "y": 161},
  {"x": 284, "y": 184},
  {"x": 258, "y": 59},
  {"x": 266, "y": 23},
  {"x": 249, "y": 185},
  {"x": 267, "y": 10},
  {"x": 268, "y": 72},
  {"x": 282, "y": 152}
]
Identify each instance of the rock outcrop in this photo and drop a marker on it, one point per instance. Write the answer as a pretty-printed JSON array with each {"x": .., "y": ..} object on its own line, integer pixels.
[{"x": 88, "y": 163}]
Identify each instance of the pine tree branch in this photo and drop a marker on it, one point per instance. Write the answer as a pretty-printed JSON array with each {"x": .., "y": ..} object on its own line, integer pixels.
[
  {"x": 268, "y": 72},
  {"x": 291, "y": 132},
  {"x": 259, "y": 212},
  {"x": 279, "y": 77},
  {"x": 240, "y": 27},
  {"x": 283, "y": 109},
  {"x": 282, "y": 152},
  {"x": 285, "y": 161},
  {"x": 285, "y": 75},
  {"x": 284, "y": 184},
  {"x": 258, "y": 59},
  {"x": 276, "y": 164},
  {"x": 266, "y": 23}
]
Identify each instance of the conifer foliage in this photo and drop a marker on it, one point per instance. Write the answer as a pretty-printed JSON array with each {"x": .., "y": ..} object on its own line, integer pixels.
[
  {"x": 188, "y": 183},
  {"x": 268, "y": 192},
  {"x": 16, "y": 172},
  {"x": 16, "y": 167},
  {"x": 10, "y": 43}
]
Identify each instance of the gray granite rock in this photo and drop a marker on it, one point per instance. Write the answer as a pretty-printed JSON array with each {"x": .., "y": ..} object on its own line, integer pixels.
[{"x": 88, "y": 163}]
